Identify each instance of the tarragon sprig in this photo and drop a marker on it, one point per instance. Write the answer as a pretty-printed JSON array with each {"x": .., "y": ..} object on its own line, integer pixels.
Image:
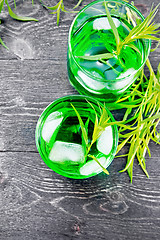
[
  {"x": 99, "y": 127},
  {"x": 15, "y": 16},
  {"x": 135, "y": 131},
  {"x": 145, "y": 30},
  {"x": 144, "y": 120},
  {"x": 59, "y": 7}
]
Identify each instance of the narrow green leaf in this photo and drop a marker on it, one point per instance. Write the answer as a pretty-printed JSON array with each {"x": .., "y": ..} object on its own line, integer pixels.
[
  {"x": 3, "y": 44},
  {"x": 142, "y": 165},
  {"x": 1, "y": 5},
  {"x": 68, "y": 11},
  {"x": 122, "y": 144},
  {"x": 158, "y": 72},
  {"x": 129, "y": 15},
  {"x": 94, "y": 158},
  {"x": 104, "y": 117},
  {"x": 154, "y": 49},
  {"x": 135, "y": 48},
  {"x": 131, "y": 154},
  {"x": 98, "y": 56},
  {"x": 112, "y": 24},
  {"x": 84, "y": 132},
  {"x": 148, "y": 37},
  {"x": 60, "y": 5},
  {"x": 15, "y": 4},
  {"x": 19, "y": 18},
  {"x": 50, "y": 8},
  {"x": 96, "y": 130},
  {"x": 58, "y": 15},
  {"x": 130, "y": 171},
  {"x": 53, "y": 12},
  {"x": 120, "y": 156},
  {"x": 79, "y": 2},
  {"x": 86, "y": 125},
  {"x": 145, "y": 137},
  {"x": 149, "y": 119},
  {"x": 100, "y": 126}
]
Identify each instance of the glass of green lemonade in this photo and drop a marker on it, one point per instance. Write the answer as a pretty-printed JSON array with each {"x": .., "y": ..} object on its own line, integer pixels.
[
  {"x": 91, "y": 34},
  {"x": 59, "y": 137}
]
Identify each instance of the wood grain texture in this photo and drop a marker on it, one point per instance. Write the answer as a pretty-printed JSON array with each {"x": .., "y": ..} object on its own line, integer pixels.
[{"x": 35, "y": 202}]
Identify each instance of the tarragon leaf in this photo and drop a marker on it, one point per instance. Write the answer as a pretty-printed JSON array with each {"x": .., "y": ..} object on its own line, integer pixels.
[
  {"x": 79, "y": 2},
  {"x": 158, "y": 72},
  {"x": 51, "y": 8},
  {"x": 3, "y": 44},
  {"x": 84, "y": 132},
  {"x": 94, "y": 158},
  {"x": 139, "y": 31},
  {"x": 122, "y": 144},
  {"x": 112, "y": 24},
  {"x": 58, "y": 12},
  {"x": 20, "y": 18},
  {"x": 135, "y": 48},
  {"x": 156, "y": 116},
  {"x": 97, "y": 56},
  {"x": 1, "y": 5},
  {"x": 15, "y": 4}
]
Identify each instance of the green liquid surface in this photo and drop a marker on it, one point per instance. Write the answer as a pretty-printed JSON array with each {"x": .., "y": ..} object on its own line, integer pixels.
[{"x": 94, "y": 37}]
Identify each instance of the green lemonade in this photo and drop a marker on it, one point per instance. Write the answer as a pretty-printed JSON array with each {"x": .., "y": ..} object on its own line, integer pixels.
[
  {"x": 59, "y": 138},
  {"x": 105, "y": 79}
]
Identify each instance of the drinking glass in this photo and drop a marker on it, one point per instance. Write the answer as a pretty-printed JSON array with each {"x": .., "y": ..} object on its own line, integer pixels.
[
  {"x": 59, "y": 137},
  {"x": 91, "y": 34}
]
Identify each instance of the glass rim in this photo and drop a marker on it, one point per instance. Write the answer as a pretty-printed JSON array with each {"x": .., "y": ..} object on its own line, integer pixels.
[
  {"x": 70, "y": 98},
  {"x": 70, "y": 47}
]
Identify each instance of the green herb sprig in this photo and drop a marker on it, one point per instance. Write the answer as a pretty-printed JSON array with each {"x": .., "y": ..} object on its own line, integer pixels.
[
  {"x": 59, "y": 7},
  {"x": 145, "y": 120},
  {"x": 135, "y": 131},
  {"x": 143, "y": 96},
  {"x": 99, "y": 127},
  {"x": 144, "y": 30}
]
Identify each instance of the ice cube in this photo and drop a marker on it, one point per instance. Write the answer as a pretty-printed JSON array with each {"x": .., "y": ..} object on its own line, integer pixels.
[
  {"x": 126, "y": 78},
  {"x": 90, "y": 82},
  {"x": 105, "y": 141},
  {"x": 63, "y": 152},
  {"x": 126, "y": 73},
  {"x": 103, "y": 23},
  {"x": 93, "y": 167},
  {"x": 51, "y": 124}
]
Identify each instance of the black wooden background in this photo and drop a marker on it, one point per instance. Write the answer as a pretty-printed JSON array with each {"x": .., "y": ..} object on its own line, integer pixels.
[{"x": 35, "y": 202}]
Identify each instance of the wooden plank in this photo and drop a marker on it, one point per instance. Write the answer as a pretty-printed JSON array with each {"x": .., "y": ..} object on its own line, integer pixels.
[
  {"x": 27, "y": 88},
  {"x": 28, "y": 40},
  {"x": 35, "y": 202}
]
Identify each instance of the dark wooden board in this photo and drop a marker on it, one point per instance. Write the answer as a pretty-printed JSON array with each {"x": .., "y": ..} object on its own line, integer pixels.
[{"x": 35, "y": 202}]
